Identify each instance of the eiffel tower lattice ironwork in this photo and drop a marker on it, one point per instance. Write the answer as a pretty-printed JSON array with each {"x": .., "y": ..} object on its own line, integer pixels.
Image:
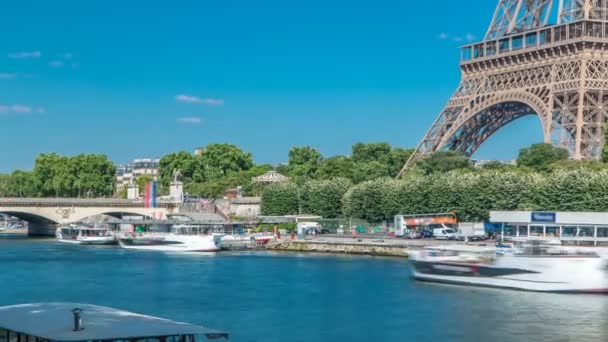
[{"x": 536, "y": 59}]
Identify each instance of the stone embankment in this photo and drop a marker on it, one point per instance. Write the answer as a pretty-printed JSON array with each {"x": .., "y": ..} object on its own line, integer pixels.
[{"x": 342, "y": 246}]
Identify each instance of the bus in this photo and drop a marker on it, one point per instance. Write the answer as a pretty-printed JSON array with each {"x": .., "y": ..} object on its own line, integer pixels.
[{"x": 406, "y": 224}]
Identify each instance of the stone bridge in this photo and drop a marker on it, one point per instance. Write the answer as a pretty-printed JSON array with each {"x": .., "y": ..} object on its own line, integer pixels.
[{"x": 43, "y": 214}]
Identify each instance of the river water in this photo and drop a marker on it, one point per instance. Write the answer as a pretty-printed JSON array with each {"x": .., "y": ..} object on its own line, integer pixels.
[{"x": 292, "y": 297}]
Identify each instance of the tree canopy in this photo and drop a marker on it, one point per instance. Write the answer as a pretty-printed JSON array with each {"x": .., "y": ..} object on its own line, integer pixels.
[{"x": 539, "y": 157}]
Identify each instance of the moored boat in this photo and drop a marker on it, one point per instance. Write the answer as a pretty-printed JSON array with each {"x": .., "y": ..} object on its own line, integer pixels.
[
  {"x": 182, "y": 238},
  {"x": 532, "y": 265},
  {"x": 85, "y": 235}
]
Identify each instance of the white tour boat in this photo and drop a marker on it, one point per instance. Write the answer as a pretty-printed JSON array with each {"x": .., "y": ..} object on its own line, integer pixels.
[
  {"x": 182, "y": 238},
  {"x": 85, "y": 235},
  {"x": 533, "y": 265}
]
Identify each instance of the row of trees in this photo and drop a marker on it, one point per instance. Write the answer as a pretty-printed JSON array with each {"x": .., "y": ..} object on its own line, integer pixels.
[
  {"x": 222, "y": 166},
  {"x": 90, "y": 175},
  {"x": 542, "y": 179},
  {"x": 316, "y": 179},
  {"x": 471, "y": 195}
]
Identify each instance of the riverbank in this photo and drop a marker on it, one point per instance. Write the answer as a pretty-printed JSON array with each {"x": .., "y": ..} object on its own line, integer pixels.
[{"x": 361, "y": 246}]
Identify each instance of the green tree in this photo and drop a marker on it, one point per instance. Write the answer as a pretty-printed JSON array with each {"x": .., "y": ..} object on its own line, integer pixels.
[
  {"x": 444, "y": 161},
  {"x": 189, "y": 166},
  {"x": 23, "y": 184},
  {"x": 221, "y": 159},
  {"x": 397, "y": 159},
  {"x": 281, "y": 199},
  {"x": 497, "y": 165},
  {"x": 90, "y": 175},
  {"x": 50, "y": 170},
  {"x": 303, "y": 162},
  {"x": 378, "y": 152},
  {"x": 5, "y": 181},
  {"x": 364, "y": 171},
  {"x": 539, "y": 157},
  {"x": 304, "y": 156},
  {"x": 571, "y": 165},
  {"x": 335, "y": 167},
  {"x": 324, "y": 197},
  {"x": 141, "y": 182}
]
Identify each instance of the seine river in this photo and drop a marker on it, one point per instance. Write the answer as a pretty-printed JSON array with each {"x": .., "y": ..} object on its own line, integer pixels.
[{"x": 291, "y": 297}]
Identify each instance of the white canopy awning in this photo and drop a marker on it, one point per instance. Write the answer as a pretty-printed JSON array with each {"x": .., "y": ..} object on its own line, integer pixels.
[{"x": 270, "y": 177}]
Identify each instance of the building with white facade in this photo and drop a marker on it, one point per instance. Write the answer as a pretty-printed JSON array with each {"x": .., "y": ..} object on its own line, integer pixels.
[{"x": 126, "y": 174}]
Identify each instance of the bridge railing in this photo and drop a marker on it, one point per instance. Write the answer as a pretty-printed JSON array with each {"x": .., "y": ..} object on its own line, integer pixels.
[{"x": 79, "y": 202}]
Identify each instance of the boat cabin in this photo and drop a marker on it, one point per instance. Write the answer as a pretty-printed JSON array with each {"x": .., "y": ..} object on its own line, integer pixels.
[
  {"x": 70, "y": 322},
  {"x": 185, "y": 229}
]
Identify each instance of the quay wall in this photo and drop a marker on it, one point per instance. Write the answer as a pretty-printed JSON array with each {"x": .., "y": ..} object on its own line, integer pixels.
[{"x": 342, "y": 247}]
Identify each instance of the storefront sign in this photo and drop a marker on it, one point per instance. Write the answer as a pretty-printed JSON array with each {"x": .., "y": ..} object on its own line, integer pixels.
[{"x": 542, "y": 217}]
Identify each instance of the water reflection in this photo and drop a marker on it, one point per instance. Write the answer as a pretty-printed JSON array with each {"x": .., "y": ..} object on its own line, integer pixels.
[{"x": 504, "y": 315}]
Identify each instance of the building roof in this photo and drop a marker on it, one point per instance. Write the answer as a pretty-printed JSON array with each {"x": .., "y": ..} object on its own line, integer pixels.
[
  {"x": 55, "y": 321},
  {"x": 270, "y": 177}
]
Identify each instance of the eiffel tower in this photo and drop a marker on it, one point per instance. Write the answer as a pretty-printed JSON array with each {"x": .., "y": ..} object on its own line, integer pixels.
[{"x": 535, "y": 59}]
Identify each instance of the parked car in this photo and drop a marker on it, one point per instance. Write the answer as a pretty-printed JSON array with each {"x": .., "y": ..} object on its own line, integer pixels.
[
  {"x": 426, "y": 233},
  {"x": 444, "y": 233},
  {"x": 413, "y": 234}
]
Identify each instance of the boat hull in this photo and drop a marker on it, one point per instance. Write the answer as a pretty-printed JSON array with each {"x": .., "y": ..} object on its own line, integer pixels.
[
  {"x": 175, "y": 243},
  {"x": 561, "y": 275},
  {"x": 89, "y": 241}
]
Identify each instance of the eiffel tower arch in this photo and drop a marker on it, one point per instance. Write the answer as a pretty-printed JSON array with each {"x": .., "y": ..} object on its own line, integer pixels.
[{"x": 526, "y": 66}]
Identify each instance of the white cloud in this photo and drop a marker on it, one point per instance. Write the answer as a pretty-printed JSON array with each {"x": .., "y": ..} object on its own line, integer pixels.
[
  {"x": 197, "y": 100},
  {"x": 66, "y": 56},
  {"x": 20, "y": 109},
  {"x": 188, "y": 99},
  {"x": 213, "y": 102},
  {"x": 25, "y": 54},
  {"x": 457, "y": 39},
  {"x": 469, "y": 37},
  {"x": 443, "y": 36},
  {"x": 56, "y": 64},
  {"x": 6, "y": 76},
  {"x": 190, "y": 120}
]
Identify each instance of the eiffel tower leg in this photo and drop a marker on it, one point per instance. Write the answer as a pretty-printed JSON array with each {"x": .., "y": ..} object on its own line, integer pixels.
[
  {"x": 580, "y": 115},
  {"x": 432, "y": 139}
]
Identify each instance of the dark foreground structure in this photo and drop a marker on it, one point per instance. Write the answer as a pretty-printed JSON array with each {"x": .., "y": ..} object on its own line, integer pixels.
[{"x": 73, "y": 322}]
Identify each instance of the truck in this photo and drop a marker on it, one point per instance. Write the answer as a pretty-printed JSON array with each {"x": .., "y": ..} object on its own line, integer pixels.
[{"x": 471, "y": 231}]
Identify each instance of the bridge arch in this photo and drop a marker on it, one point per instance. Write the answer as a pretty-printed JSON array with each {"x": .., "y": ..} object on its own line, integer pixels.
[
  {"x": 483, "y": 118},
  {"x": 30, "y": 217}
]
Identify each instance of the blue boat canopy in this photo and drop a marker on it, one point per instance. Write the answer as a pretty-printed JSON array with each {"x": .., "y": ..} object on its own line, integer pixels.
[{"x": 83, "y": 322}]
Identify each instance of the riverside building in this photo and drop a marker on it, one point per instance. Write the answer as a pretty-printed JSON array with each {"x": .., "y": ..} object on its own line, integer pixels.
[
  {"x": 578, "y": 228},
  {"x": 125, "y": 174}
]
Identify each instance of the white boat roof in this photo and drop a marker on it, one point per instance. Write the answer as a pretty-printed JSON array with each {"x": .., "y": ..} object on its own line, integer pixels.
[
  {"x": 464, "y": 248},
  {"x": 55, "y": 321}
]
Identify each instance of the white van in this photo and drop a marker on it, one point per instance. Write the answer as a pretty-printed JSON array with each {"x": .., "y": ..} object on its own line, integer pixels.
[{"x": 444, "y": 233}]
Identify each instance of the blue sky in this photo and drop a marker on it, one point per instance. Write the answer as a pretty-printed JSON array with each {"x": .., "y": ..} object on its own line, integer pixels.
[{"x": 106, "y": 76}]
